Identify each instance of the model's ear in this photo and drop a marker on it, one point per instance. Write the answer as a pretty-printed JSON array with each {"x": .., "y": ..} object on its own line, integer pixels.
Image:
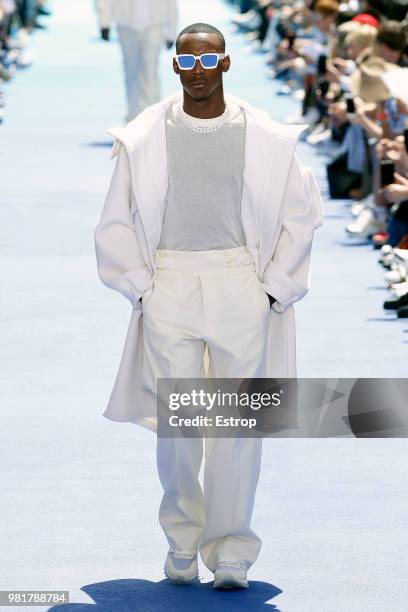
[
  {"x": 175, "y": 66},
  {"x": 226, "y": 63}
]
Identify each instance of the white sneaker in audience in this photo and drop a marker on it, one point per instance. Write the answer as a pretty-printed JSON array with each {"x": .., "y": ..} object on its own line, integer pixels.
[
  {"x": 319, "y": 136},
  {"x": 399, "y": 289},
  {"x": 357, "y": 207},
  {"x": 284, "y": 90},
  {"x": 393, "y": 276},
  {"x": 366, "y": 224}
]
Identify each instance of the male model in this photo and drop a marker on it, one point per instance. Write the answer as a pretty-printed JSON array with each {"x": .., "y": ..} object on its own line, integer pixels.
[
  {"x": 207, "y": 229},
  {"x": 143, "y": 27}
]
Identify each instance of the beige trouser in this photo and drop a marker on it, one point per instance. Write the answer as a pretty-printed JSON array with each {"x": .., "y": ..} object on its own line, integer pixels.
[
  {"x": 141, "y": 52},
  {"x": 210, "y": 299}
]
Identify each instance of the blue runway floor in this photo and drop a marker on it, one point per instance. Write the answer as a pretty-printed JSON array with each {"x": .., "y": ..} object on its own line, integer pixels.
[{"x": 80, "y": 494}]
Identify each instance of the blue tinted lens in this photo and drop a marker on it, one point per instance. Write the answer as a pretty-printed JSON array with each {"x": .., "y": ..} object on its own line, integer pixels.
[
  {"x": 186, "y": 61},
  {"x": 209, "y": 60}
]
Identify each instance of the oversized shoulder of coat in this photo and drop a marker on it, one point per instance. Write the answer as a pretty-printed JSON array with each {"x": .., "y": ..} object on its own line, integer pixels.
[{"x": 137, "y": 130}]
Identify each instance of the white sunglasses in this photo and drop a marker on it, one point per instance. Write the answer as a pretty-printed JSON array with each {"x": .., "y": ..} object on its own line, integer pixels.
[{"x": 186, "y": 61}]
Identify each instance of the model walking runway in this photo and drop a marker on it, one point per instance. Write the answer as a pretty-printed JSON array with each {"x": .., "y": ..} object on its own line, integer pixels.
[{"x": 82, "y": 493}]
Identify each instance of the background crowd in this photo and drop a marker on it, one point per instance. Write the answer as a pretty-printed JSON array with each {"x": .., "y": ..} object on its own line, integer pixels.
[
  {"x": 346, "y": 63},
  {"x": 18, "y": 19}
]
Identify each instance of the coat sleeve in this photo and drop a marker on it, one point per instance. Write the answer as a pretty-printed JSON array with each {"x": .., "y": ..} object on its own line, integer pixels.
[
  {"x": 119, "y": 259},
  {"x": 104, "y": 12},
  {"x": 287, "y": 274}
]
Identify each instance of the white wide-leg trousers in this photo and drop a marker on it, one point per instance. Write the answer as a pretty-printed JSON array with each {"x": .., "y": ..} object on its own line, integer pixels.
[
  {"x": 210, "y": 299},
  {"x": 141, "y": 51}
]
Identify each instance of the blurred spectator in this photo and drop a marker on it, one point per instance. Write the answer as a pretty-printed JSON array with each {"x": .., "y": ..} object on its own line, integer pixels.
[
  {"x": 346, "y": 63},
  {"x": 18, "y": 19},
  {"x": 143, "y": 27}
]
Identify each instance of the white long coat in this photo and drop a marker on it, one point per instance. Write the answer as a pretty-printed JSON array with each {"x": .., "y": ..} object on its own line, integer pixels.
[{"x": 280, "y": 209}]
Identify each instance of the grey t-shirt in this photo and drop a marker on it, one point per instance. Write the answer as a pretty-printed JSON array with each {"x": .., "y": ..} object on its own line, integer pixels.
[{"x": 205, "y": 168}]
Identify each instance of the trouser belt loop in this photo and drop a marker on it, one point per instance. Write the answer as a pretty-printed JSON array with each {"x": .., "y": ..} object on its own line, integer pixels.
[
  {"x": 164, "y": 262},
  {"x": 240, "y": 260}
]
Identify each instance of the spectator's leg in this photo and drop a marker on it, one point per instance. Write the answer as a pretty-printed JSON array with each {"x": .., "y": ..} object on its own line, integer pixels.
[{"x": 396, "y": 229}]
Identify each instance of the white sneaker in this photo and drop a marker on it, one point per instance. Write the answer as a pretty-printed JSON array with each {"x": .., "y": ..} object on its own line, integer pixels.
[
  {"x": 393, "y": 276},
  {"x": 284, "y": 90},
  {"x": 230, "y": 575},
  {"x": 400, "y": 289},
  {"x": 299, "y": 94},
  {"x": 356, "y": 208},
  {"x": 366, "y": 224},
  {"x": 319, "y": 136},
  {"x": 387, "y": 260},
  {"x": 358, "y": 205},
  {"x": 401, "y": 254},
  {"x": 180, "y": 569}
]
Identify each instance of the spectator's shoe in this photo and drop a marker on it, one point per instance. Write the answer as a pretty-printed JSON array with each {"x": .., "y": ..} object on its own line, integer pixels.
[
  {"x": 284, "y": 90},
  {"x": 366, "y": 224},
  {"x": 387, "y": 256},
  {"x": 25, "y": 58},
  {"x": 179, "y": 569},
  {"x": 400, "y": 289},
  {"x": 394, "y": 276},
  {"x": 402, "y": 312},
  {"x": 21, "y": 38},
  {"x": 299, "y": 94},
  {"x": 230, "y": 575},
  {"x": 319, "y": 135},
  {"x": 401, "y": 257},
  {"x": 395, "y": 304},
  {"x": 357, "y": 207},
  {"x": 42, "y": 10}
]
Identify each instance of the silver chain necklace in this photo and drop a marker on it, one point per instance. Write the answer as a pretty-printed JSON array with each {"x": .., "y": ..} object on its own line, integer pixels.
[{"x": 202, "y": 125}]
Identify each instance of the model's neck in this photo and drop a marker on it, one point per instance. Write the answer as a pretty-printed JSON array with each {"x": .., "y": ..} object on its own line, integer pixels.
[{"x": 210, "y": 107}]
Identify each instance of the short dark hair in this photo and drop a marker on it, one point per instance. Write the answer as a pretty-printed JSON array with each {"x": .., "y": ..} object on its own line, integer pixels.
[
  {"x": 391, "y": 34},
  {"x": 199, "y": 28}
]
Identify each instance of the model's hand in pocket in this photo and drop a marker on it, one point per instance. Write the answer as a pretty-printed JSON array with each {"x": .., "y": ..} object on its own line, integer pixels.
[{"x": 271, "y": 299}]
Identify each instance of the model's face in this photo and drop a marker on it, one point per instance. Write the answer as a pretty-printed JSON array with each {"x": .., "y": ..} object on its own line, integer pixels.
[{"x": 199, "y": 82}]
